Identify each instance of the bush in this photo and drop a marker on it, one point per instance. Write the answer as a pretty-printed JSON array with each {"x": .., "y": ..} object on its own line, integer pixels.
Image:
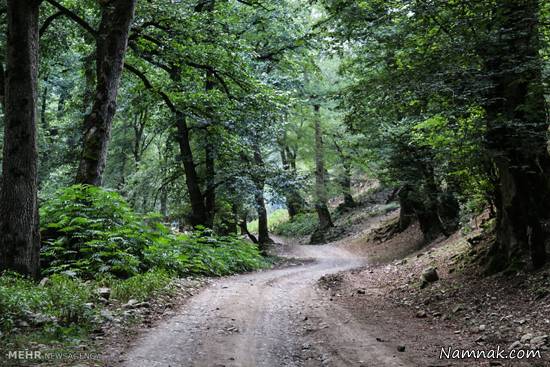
[
  {"x": 301, "y": 225},
  {"x": 219, "y": 255},
  {"x": 88, "y": 231}
]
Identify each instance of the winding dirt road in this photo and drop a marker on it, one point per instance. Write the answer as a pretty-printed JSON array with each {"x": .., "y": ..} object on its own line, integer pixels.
[{"x": 271, "y": 318}]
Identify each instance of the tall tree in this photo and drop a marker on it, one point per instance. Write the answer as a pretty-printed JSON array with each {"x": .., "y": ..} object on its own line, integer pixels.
[
  {"x": 111, "y": 43},
  {"x": 19, "y": 227},
  {"x": 325, "y": 221},
  {"x": 517, "y": 127}
]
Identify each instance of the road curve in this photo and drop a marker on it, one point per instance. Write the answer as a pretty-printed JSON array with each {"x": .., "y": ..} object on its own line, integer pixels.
[{"x": 270, "y": 318}]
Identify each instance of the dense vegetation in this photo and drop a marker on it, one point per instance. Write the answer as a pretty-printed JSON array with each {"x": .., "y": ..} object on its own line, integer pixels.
[{"x": 141, "y": 137}]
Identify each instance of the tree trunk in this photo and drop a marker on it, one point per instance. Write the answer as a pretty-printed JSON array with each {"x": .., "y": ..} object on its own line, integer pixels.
[
  {"x": 294, "y": 201},
  {"x": 19, "y": 222},
  {"x": 517, "y": 126},
  {"x": 164, "y": 202},
  {"x": 263, "y": 229},
  {"x": 345, "y": 184},
  {"x": 406, "y": 212},
  {"x": 2, "y": 83},
  {"x": 43, "y": 105},
  {"x": 325, "y": 221},
  {"x": 244, "y": 230},
  {"x": 210, "y": 179},
  {"x": 198, "y": 210},
  {"x": 112, "y": 40}
]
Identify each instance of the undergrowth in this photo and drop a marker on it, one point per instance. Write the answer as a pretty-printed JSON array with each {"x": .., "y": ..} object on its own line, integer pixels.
[
  {"x": 301, "y": 225},
  {"x": 91, "y": 238}
]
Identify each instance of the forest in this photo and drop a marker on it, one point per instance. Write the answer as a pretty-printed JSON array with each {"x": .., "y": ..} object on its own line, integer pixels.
[{"x": 150, "y": 143}]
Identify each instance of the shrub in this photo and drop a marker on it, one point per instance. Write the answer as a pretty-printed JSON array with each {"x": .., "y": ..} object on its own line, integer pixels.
[
  {"x": 87, "y": 230},
  {"x": 219, "y": 255}
]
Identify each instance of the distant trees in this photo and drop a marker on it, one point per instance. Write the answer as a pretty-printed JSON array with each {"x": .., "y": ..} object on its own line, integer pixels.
[{"x": 450, "y": 96}]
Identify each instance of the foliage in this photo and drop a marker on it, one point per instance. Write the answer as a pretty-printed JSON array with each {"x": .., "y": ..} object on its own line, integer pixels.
[
  {"x": 302, "y": 224},
  {"x": 61, "y": 303},
  {"x": 209, "y": 254},
  {"x": 273, "y": 219},
  {"x": 90, "y": 231},
  {"x": 142, "y": 286}
]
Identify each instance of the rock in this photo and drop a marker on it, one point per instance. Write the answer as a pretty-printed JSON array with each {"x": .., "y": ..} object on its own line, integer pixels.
[
  {"x": 457, "y": 309},
  {"x": 130, "y": 304},
  {"x": 400, "y": 348},
  {"x": 482, "y": 327},
  {"x": 44, "y": 282},
  {"x": 39, "y": 319},
  {"x": 480, "y": 339},
  {"x": 107, "y": 315},
  {"x": 539, "y": 341},
  {"x": 525, "y": 338},
  {"x": 22, "y": 323},
  {"x": 104, "y": 292},
  {"x": 380, "y": 340},
  {"x": 361, "y": 291},
  {"x": 429, "y": 275},
  {"x": 89, "y": 305},
  {"x": 515, "y": 345},
  {"x": 421, "y": 314}
]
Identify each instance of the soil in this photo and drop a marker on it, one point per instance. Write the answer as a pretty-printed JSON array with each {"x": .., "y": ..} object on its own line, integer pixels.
[{"x": 355, "y": 302}]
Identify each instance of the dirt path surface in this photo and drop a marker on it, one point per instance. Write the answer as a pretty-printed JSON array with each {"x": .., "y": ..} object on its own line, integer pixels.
[{"x": 270, "y": 318}]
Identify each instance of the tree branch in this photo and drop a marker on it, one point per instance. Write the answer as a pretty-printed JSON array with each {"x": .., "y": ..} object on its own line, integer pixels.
[
  {"x": 48, "y": 22},
  {"x": 74, "y": 17},
  {"x": 150, "y": 86}
]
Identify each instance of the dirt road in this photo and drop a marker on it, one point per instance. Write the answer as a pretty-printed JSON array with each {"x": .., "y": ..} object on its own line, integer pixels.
[{"x": 270, "y": 318}]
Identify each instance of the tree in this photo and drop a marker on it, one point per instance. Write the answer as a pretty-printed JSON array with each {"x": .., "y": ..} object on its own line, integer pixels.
[
  {"x": 19, "y": 223},
  {"x": 325, "y": 221},
  {"x": 111, "y": 43},
  {"x": 517, "y": 127}
]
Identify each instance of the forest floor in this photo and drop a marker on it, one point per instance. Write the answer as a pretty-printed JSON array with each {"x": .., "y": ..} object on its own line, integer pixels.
[{"x": 354, "y": 302}]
